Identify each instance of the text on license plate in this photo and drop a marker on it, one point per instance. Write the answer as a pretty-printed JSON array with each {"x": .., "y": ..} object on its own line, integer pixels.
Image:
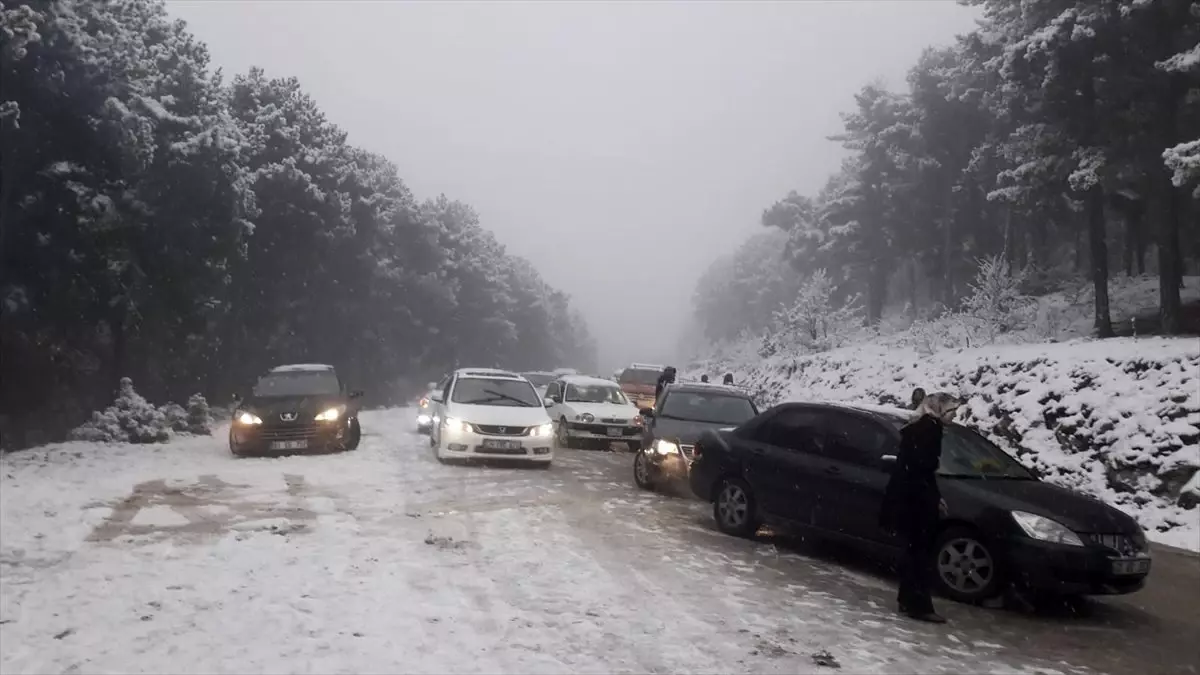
[
  {"x": 501, "y": 444},
  {"x": 289, "y": 445},
  {"x": 614, "y": 431},
  {"x": 1140, "y": 566}
]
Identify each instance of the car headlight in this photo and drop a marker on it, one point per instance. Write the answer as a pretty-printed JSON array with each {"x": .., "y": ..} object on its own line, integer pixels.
[
  {"x": 455, "y": 425},
  {"x": 637, "y": 421},
  {"x": 332, "y": 414},
  {"x": 664, "y": 447},
  {"x": 1045, "y": 529},
  {"x": 585, "y": 417},
  {"x": 249, "y": 418},
  {"x": 542, "y": 430}
]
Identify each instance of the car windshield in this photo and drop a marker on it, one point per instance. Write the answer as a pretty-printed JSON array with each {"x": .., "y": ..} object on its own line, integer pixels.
[
  {"x": 487, "y": 391},
  {"x": 594, "y": 393},
  {"x": 967, "y": 454},
  {"x": 538, "y": 379},
  {"x": 639, "y": 376},
  {"x": 298, "y": 383},
  {"x": 710, "y": 407}
]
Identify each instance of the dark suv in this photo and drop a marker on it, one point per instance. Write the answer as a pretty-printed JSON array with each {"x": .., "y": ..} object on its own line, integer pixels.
[
  {"x": 302, "y": 407},
  {"x": 683, "y": 412},
  {"x": 823, "y": 468}
]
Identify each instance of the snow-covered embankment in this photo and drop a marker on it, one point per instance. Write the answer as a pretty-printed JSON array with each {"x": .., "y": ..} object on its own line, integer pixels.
[{"x": 1117, "y": 419}]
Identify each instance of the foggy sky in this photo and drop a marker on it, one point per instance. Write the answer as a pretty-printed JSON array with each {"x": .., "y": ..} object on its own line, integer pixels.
[{"x": 619, "y": 146}]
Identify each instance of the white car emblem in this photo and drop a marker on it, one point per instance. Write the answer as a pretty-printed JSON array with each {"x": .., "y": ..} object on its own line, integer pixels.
[
  {"x": 503, "y": 430},
  {"x": 287, "y": 417}
]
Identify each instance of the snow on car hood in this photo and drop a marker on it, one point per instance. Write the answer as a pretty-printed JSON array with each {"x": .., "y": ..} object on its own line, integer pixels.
[
  {"x": 598, "y": 410},
  {"x": 498, "y": 414}
]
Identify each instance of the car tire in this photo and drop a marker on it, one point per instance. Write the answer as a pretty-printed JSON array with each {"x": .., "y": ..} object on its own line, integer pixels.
[
  {"x": 643, "y": 472},
  {"x": 355, "y": 435},
  {"x": 560, "y": 434},
  {"x": 735, "y": 508},
  {"x": 966, "y": 566}
]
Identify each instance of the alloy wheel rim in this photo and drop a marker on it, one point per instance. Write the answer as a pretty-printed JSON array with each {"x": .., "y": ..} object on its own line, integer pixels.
[
  {"x": 639, "y": 468},
  {"x": 732, "y": 505},
  {"x": 965, "y": 565}
]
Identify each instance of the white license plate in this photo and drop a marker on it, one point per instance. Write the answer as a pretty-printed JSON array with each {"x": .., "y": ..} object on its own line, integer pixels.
[
  {"x": 289, "y": 445},
  {"x": 501, "y": 445},
  {"x": 1141, "y": 566},
  {"x": 614, "y": 431}
]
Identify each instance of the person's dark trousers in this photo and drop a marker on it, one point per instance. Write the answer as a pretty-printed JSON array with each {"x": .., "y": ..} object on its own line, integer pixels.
[{"x": 916, "y": 572}]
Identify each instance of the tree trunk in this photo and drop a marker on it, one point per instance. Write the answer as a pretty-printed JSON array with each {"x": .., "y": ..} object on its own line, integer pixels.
[
  {"x": 1099, "y": 256},
  {"x": 116, "y": 325},
  {"x": 876, "y": 293},
  {"x": 912, "y": 287},
  {"x": 1170, "y": 267}
]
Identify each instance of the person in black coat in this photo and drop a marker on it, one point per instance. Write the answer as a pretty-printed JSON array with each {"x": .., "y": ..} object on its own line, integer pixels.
[
  {"x": 913, "y": 505},
  {"x": 667, "y": 377},
  {"x": 728, "y": 379}
]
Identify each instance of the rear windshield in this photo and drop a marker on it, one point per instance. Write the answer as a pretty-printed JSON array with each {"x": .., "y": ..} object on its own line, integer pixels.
[
  {"x": 298, "y": 383},
  {"x": 484, "y": 391},
  {"x": 639, "y": 376},
  {"x": 538, "y": 379}
]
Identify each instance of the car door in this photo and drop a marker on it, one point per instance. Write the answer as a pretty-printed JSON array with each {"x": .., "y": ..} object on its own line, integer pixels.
[
  {"x": 782, "y": 463},
  {"x": 554, "y": 391},
  {"x": 856, "y": 476}
]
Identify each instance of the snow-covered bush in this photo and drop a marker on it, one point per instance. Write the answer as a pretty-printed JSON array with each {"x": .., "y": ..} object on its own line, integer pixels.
[
  {"x": 199, "y": 418},
  {"x": 813, "y": 320},
  {"x": 996, "y": 299},
  {"x": 130, "y": 419},
  {"x": 176, "y": 416}
]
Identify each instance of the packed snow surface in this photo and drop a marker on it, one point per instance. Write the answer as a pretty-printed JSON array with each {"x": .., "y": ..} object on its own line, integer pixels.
[{"x": 179, "y": 558}]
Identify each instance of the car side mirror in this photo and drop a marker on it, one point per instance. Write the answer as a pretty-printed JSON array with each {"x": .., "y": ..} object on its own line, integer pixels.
[
  {"x": 548, "y": 402},
  {"x": 646, "y": 412},
  {"x": 357, "y": 393},
  {"x": 556, "y": 398},
  {"x": 437, "y": 397}
]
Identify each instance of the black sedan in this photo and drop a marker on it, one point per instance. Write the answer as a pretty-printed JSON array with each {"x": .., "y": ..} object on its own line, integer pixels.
[
  {"x": 296, "y": 408},
  {"x": 672, "y": 426},
  {"x": 822, "y": 468}
]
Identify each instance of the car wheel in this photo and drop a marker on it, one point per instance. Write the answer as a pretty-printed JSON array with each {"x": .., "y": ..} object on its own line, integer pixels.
[
  {"x": 966, "y": 567},
  {"x": 643, "y": 473},
  {"x": 735, "y": 509},
  {"x": 355, "y": 435},
  {"x": 560, "y": 432}
]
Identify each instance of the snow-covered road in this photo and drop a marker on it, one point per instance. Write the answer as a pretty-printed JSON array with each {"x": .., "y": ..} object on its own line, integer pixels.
[{"x": 180, "y": 558}]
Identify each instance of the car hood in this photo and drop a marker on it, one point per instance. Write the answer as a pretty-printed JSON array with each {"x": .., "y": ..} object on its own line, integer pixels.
[
  {"x": 684, "y": 431},
  {"x": 304, "y": 405},
  {"x": 601, "y": 410},
  {"x": 1077, "y": 511},
  {"x": 502, "y": 415}
]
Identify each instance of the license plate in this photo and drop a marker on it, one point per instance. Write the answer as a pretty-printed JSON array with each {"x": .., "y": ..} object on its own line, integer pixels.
[
  {"x": 614, "y": 431},
  {"x": 501, "y": 444},
  {"x": 289, "y": 445},
  {"x": 1131, "y": 566}
]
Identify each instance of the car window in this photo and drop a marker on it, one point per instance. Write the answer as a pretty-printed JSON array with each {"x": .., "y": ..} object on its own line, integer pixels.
[
  {"x": 539, "y": 379},
  {"x": 792, "y": 429},
  {"x": 704, "y": 406},
  {"x": 967, "y": 454},
  {"x": 552, "y": 390},
  {"x": 856, "y": 438},
  {"x": 497, "y": 392}
]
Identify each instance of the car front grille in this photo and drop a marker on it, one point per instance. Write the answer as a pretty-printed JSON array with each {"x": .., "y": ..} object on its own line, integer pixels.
[
  {"x": 479, "y": 449},
  {"x": 290, "y": 433},
  {"x": 1121, "y": 543},
  {"x": 602, "y": 429},
  {"x": 500, "y": 430},
  {"x": 614, "y": 420},
  {"x": 688, "y": 451}
]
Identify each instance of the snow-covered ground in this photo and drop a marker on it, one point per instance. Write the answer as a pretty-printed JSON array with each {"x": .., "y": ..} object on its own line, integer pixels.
[
  {"x": 179, "y": 558},
  {"x": 1118, "y": 419}
]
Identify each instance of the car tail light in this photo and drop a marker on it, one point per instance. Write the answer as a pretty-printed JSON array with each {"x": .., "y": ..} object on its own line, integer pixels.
[{"x": 638, "y": 421}]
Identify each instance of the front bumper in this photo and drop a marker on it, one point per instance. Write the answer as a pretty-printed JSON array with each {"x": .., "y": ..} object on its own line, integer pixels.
[
  {"x": 473, "y": 444},
  {"x": 596, "y": 431},
  {"x": 670, "y": 465},
  {"x": 287, "y": 439},
  {"x": 1070, "y": 570}
]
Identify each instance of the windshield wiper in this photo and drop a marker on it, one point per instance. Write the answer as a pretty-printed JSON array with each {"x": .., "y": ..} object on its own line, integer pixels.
[{"x": 499, "y": 396}]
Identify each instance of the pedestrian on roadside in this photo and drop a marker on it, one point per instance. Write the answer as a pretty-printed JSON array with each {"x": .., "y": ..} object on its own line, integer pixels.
[
  {"x": 913, "y": 505},
  {"x": 918, "y": 395},
  {"x": 728, "y": 379},
  {"x": 704, "y": 379}
]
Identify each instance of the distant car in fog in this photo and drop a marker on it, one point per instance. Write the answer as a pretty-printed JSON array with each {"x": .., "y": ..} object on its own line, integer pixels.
[
  {"x": 485, "y": 413},
  {"x": 586, "y": 408},
  {"x": 639, "y": 382},
  {"x": 539, "y": 379},
  {"x": 425, "y": 406},
  {"x": 296, "y": 408}
]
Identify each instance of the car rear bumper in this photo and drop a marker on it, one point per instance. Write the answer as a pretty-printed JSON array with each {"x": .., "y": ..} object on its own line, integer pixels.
[{"x": 1069, "y": 570}]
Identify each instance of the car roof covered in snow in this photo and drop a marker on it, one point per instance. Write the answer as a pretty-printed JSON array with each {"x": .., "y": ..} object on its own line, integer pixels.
[
  {"x": 587, "y": 380},
  {"x": 647, "y": 366},
  {"x": 302, "y": 367},
  {"x": 493, "y": 373}
]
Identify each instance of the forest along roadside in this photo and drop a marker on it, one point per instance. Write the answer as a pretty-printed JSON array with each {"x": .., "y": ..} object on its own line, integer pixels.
[{"x": 383, "y": 559}]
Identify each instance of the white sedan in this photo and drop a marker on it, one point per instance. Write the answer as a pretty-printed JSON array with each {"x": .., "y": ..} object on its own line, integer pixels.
[{"x": 592, "y": 409}]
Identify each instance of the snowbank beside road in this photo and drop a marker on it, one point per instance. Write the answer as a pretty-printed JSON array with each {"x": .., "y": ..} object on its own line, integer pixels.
[{"x": 1117, "y": 419}]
